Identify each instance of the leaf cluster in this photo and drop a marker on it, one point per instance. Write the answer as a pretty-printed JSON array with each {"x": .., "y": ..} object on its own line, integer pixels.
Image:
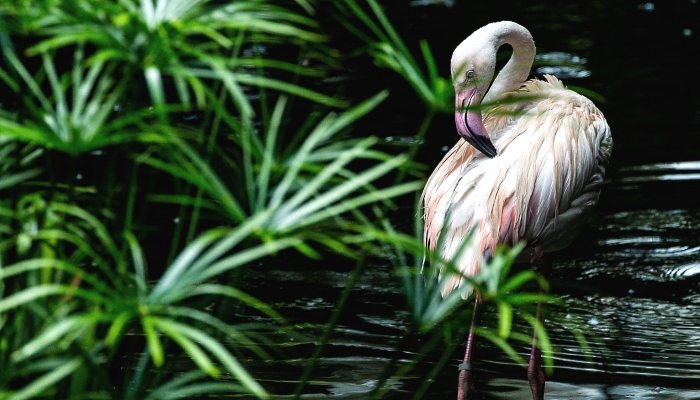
[{"x": 83, "y": 287}]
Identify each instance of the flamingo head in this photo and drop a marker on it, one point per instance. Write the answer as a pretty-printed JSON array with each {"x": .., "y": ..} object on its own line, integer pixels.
[{"x": 473, "y": 65}]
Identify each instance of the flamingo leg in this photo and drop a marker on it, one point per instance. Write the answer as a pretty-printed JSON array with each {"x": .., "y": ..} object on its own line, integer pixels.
[
  {"x": 534, "y": 369},
  {"x": 465, "y": 390}
]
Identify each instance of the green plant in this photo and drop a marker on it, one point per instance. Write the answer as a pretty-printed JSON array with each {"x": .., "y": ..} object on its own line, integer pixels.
[
  {"x": 77, "y": 290},
  {"x": 387, "y": 48}
]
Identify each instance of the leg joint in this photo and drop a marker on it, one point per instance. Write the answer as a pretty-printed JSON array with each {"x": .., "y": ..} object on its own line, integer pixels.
[{"x": 464, "y": 367}]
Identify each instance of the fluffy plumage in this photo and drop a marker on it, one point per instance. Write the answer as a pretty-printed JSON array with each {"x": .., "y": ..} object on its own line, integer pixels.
[{"x": 553, "y": 146}]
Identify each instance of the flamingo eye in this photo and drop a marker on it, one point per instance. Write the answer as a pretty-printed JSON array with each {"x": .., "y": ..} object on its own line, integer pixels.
[{"x": 470, "y": 74}]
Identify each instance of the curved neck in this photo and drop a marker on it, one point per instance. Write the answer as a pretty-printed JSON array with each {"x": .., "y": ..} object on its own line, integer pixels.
[{"x": 516, "y": 71}]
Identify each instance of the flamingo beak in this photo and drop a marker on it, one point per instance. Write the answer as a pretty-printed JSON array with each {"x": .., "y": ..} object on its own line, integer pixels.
[{"x": 470, "y": 126}]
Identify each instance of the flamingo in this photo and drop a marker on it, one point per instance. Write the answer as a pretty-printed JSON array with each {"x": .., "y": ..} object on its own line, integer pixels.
[{"x": 529, "y": 169}]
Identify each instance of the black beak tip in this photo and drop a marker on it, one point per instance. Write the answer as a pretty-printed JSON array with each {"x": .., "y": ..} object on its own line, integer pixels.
[
  {"x": 483, "y": 144},
  {"x": 491, "y": 151}
]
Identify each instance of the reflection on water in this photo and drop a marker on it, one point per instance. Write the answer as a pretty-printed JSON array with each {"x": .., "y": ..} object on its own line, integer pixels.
[
  {"x": 685, "y": 165},
  {"x": 562, "y": 65},
  {"x": 664, "y": 177},
  {"x": 513, "y": 389},
  {"x": 677, "y": 171},
  {"x": 646, "y": 6}
]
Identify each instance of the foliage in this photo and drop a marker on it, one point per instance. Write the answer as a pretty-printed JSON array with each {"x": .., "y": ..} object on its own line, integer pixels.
[
  {"x": 113, "y": 82},
  {"x": 149, "y": 150}
]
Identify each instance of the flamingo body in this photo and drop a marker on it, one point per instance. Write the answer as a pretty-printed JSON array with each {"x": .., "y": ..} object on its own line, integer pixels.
[{"x": 539, "y": 180}]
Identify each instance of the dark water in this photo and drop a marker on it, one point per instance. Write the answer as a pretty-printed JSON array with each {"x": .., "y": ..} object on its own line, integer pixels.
[{"x": 633, "y": 276}]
